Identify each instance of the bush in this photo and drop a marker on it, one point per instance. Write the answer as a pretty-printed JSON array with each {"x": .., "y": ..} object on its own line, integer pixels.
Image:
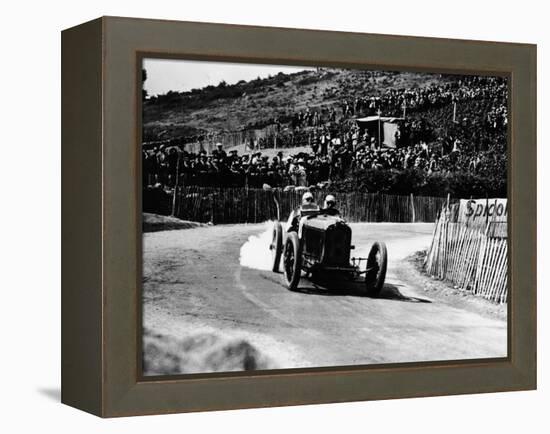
[{"x": 419, "y": 182}]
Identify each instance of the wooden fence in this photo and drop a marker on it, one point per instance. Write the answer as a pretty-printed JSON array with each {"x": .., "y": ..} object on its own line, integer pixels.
[
  {"x": 472, "y": 258},
  {"x": 241, "y": 205}
]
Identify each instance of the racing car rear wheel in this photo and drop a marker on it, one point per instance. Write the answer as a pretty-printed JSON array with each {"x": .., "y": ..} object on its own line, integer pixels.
[
  {"x": 377, "y": 264},
  {"x": 276, "y": 246},
  {"x": 292, "y": 261}
]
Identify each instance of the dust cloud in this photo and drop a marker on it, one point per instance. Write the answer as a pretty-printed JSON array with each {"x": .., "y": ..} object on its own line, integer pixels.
[{"x": 255, "y": 252}]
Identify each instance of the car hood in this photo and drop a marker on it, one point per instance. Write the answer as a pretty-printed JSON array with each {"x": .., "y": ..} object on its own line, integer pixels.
[{"x": 322, "y": 221}]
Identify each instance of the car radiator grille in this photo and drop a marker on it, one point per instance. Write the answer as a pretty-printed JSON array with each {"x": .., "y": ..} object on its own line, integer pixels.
[{"x": 337, "y": 245}]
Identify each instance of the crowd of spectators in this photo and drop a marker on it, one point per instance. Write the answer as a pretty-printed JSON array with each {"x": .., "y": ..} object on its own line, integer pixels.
[
  {"x": 163, "y": 166},
  {"x": 396, "y": 103},
  {"x": 338, "y": 147}
]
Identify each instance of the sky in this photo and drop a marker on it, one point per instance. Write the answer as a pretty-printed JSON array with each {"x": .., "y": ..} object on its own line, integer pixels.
[{"x": 183, "y": 75}]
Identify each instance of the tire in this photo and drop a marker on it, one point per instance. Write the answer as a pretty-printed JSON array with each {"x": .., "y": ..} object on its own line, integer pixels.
[
  {"x": 276, "y": 246},
  {"x": 377, "y": 264},
  {"x": 292, "y": 261}
]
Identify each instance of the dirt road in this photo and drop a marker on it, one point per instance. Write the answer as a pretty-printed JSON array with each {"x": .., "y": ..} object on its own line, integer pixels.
[{"x": 217, "y": 279}]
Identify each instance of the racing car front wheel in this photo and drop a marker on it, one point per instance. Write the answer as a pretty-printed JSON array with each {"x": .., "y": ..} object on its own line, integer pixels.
[
  {"x": 292, "y": 261},
  {"x": 276, "y": 246},
  {"x": 377, "y": 264}
]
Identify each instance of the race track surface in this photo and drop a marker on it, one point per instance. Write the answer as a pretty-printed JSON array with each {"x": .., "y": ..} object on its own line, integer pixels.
[{"x": 217, "y": 279}]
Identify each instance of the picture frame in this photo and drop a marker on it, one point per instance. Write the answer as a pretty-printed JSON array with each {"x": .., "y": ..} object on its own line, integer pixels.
[{"x": 101, "y": 217}]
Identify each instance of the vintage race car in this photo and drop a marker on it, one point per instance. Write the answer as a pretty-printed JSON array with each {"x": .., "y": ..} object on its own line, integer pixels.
[{"x": 320, "y": 244}]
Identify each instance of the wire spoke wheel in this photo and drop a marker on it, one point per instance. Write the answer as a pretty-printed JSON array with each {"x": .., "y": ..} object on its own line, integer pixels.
[
  {"x": 292, "y": 261},
  {"x": 377, "y": 263}
]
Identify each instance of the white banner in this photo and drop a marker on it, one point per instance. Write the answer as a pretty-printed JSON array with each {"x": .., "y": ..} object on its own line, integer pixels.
[
  {"x": 389, "y": 134},
  {"x": 478, "y": 211}
]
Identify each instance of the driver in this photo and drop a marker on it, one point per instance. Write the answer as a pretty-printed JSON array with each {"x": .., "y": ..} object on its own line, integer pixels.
[
  {"x": 308, "y": 204},
  {"x": 329, "y": 206}
]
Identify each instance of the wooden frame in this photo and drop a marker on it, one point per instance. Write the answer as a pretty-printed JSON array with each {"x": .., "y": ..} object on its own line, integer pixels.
[{"x": 101, "y": 230}]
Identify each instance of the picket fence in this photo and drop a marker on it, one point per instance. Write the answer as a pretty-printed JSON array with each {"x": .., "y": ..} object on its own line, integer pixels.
[
  {"x": 474, "y": 259},
  {"x": 241, "y": 205}
]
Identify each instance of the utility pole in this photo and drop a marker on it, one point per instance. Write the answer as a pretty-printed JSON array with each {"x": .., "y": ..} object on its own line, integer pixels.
[
  {"x": 175, "y": 194},
  {"x": 379, "y": 128},
  {"x": 454, "y": 109}
]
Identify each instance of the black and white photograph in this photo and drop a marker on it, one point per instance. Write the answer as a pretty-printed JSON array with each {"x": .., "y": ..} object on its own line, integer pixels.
[
  {"x": 308, "y": 216},
  {"x": 226, "y": 217}
]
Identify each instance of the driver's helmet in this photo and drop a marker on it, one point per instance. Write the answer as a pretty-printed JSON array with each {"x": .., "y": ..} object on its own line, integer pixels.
[
  {"x": 308, "y": 202},
  {"x": 330, "y": 201},
  {"x": 307, "y": 198}
]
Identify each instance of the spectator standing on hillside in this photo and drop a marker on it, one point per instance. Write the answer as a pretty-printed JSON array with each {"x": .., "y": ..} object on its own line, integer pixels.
[
  {"x": 297, "y": 173},
  {"x": 219, "y": 152},
  {"x": 315, "y": 143}
]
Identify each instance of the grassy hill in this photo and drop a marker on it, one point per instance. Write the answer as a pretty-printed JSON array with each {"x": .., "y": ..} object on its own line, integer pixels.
[{"x": 256, "y": 103}]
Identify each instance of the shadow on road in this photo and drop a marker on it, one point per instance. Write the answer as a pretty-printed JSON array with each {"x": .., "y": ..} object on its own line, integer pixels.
[{"x": 390, "y": 291}]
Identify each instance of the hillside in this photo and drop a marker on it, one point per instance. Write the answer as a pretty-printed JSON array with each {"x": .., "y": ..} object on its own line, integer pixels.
[{"x": 259, "y": 102}]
